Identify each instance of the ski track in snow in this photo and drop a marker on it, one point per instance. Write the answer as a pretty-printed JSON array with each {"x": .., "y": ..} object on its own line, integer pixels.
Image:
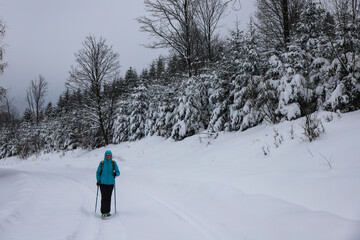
[
  {"x": 189, "y": 191},
  {"x": 42, "y": 196},
  {"x": 205, "y": 232}
]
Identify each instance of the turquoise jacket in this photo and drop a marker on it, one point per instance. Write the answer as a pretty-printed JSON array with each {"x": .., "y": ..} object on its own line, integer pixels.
[{"x": 107, "y": 175}]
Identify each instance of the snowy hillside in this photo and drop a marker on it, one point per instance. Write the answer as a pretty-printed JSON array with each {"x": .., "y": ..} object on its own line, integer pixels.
[{"x": 199, "y": 188}]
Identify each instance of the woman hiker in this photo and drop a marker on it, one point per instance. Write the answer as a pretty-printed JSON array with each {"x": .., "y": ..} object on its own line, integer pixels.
[{"x": 105, "y": 175}]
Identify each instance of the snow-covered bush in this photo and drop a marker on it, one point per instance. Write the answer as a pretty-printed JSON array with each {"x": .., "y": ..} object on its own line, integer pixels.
[
  {"x": 312, "y": 127},
  {"x": 278, "y": 138}
]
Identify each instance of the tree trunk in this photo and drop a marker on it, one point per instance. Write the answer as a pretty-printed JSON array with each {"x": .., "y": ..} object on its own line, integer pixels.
[
  {"x": 209, "y": 47},
  {"x": 187, "y": 37},
  {"x": 286, "y": 22},
  {"x": 101, "y": 120}
]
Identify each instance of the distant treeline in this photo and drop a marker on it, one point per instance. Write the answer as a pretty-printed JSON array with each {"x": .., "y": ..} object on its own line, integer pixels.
[{"x": 296, "y": 57}]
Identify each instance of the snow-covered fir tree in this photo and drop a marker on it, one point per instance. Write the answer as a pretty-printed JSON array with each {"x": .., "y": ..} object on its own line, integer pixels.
[
  {"x": 121, "y": 124},
  {"x": 165, "y": 108},
  {"x": 138, "y": 115},
  {"x": 219, "y": 102},
  {"x": 245, "y": 59},
  {"x": 345, "y": 68},
  {"x": 191, "y": 114}
]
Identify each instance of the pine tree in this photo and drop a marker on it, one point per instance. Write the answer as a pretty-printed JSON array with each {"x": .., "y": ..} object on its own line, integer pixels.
[
  {"x": 294, "y": 86},
  {"x": 160, "y": 68},
  {"x": 166, "y": 97},
  {"x": 244, "y": 60},
  {"x": 311, "y": 35},
  {"x": 345, "y": 94},
  {"x": 144, "y": 74},
  {"x": 121, "y": 124},
  {"x": 138, "y": 115},
  {"x": 219, "y": 101},
  {"x": 152, "y": 71},
  {"x": 131, "y": 78},
  {"x": 191, "y": 114},
  {"x": 49, "y": 111},
  {"x": 176, "y": 67}
]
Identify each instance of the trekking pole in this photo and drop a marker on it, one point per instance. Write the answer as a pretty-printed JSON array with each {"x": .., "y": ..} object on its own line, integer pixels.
[
  {"x": 97, "y": 193},
  {"x": 115, "y": 196}
]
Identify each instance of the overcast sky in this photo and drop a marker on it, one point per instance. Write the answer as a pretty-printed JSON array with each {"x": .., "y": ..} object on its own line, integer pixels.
[{"x": 43, "y": 35}]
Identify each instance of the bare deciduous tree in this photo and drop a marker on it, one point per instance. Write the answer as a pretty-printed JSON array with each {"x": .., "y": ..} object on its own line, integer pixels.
[
  {"x": 3, "y": 100},
  {"x": 208, "y": 15},
  {"x": 2, "y": 93},
  {"x": 2, "y": 64},
  {"x": 35, "y": 96},
  {"x": 185, "y": 26},
  {"x": 172, "y": 23},
  {"x": 345, "y": 9},
  {"x": 276, "y": 19},
  {"x": 97, "y": 65},
  {"x": 2, "y": 35},
  {"x": 6, "y": 106}
]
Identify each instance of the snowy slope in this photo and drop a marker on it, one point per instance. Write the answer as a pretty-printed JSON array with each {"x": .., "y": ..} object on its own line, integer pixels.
[{"x": 199, "y": 188}]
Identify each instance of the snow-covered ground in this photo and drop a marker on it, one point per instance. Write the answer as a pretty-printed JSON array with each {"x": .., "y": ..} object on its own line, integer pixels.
[{"x": 199, "y": 188}]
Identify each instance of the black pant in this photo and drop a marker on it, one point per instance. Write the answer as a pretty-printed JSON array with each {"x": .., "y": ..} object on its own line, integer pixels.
[{"x": 106, "y": 191}]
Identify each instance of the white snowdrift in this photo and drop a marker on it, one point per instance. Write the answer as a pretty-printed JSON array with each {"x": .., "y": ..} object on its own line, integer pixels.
[{"x": 199, "y": 188}]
